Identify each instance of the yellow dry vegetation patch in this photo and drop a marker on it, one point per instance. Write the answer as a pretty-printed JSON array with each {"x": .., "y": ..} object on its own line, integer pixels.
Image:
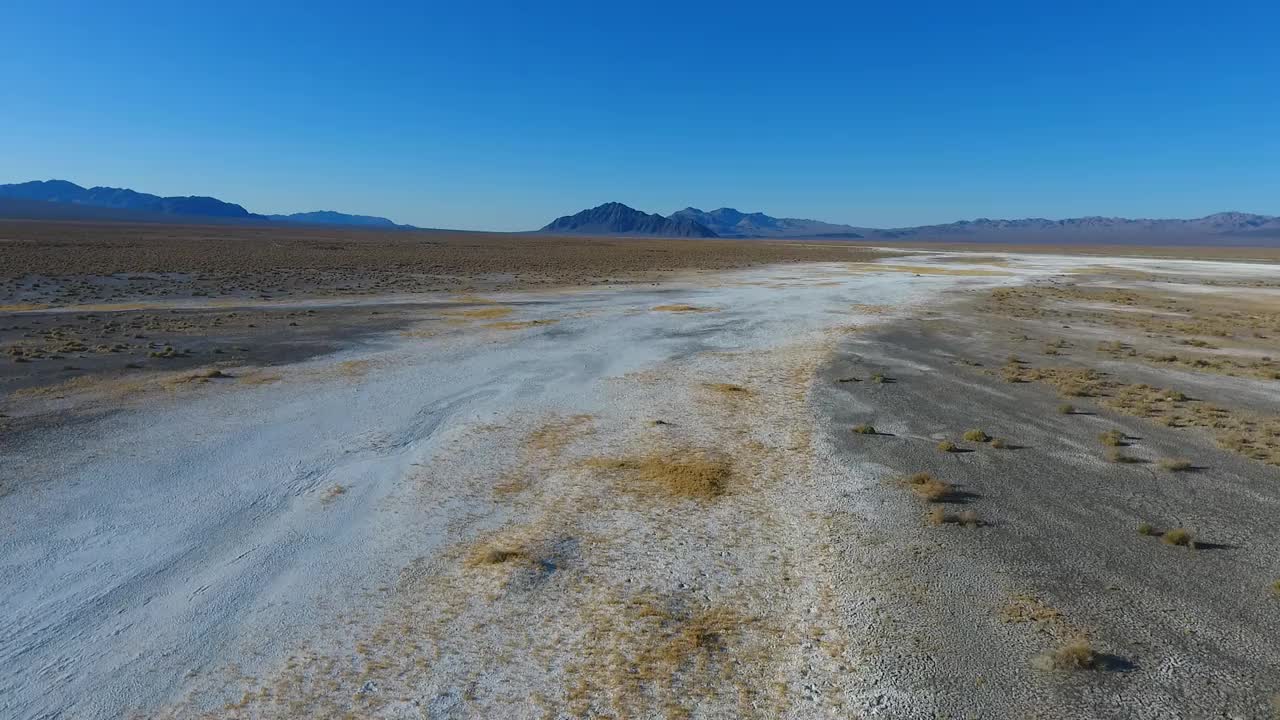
[
  {"x": 683, "y": 309},
  {"x": 118, "y": 387},
  {"x": 644, "y": 657},
  {"x": 1026, "y": 608},
  {"x": 1247, "y": 433},
  {"x": 474, "y": 300},
  {"x": 22, "y": 307},
  {"x": 487, "y": 313},
  {"x": 354, "y": 368},
  {"x": 260, "y": 377},
  {"x": 683, "y": 475},
  {"x": 728, "y": 389},
  {"x": 520, "y": 325},
  {"x": 556, "y": 434}
]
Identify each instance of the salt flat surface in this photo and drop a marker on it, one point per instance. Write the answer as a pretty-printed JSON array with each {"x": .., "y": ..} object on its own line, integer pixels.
[{"x": 198, "y": 531}]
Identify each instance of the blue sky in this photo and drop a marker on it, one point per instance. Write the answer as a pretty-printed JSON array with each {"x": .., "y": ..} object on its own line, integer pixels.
[{"x": 492, "y": 115}]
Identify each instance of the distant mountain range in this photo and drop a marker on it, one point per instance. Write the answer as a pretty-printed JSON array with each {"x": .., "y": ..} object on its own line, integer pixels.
[
  {"x": 1228, "y": 228},
  {"x": 730, "y": 223},
  {"x": 63, "y": 200},
  {"x": 618, "y": 219},
  {"x": 60, "y": 199}
]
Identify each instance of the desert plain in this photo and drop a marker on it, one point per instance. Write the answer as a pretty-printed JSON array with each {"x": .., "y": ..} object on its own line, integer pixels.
[{"x": 330, "y": 473}]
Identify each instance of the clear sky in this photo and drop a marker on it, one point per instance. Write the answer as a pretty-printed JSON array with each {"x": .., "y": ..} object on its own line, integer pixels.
[{"x": 493, "y": 115}]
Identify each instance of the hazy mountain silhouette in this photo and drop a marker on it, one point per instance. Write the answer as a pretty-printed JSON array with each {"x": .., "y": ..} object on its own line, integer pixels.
[
  {"x": 61, "y": 199},
  {"x": 1226, "y": 228}
]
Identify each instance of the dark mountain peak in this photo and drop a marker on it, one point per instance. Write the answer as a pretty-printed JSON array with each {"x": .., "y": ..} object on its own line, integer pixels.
[
  {"x": 731, "y": 222},
  {"x": 614, "y": 218}
]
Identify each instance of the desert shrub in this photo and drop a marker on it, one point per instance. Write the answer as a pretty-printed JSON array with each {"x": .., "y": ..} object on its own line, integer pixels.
[
  {"x": 864, "y": 429},
  {"x": 1178, "y": 536},
  {"x": 937, "y": 515},
  {"x": 1174, "y": 464},
  {"x": 1066, "y": 409},
  {"x": 1075, "y": 654},
  {"x": 948, "y": 446},
  {"x": 999, "y": 443},
  {"x": 1146, "y": 529},
  {"x": 1112, "y": 438},
  {"x": 928, "y": 487},
  {"x": 976, "y": 436},
  {"x": 1116, "y": 455}
]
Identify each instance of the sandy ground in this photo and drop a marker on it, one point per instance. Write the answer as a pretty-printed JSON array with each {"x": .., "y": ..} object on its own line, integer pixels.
[{"x": 639, "y": 501}]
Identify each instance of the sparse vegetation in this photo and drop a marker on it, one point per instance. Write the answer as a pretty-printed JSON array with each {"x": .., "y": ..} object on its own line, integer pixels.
[
  {"x": 1116, "y": 455},
  {"x": 864, "y": 429},
  {"x": 1146, "y": 529},
  {"x": 682, "y": 309},
  {"x": 878, "y": 378},
  {"x": 1113, "y": 438},
  {"x": 692, "y": 475},
  {"x": 999, "y": 443},
  {"x": 1066, "y": 409},
  {"x": 928, "y": 487},
  {"x": 1074, "y": 654},
  {"x": 938, "y": 515},
  {"x": 728, "y": 388},
  {"x": 948, "y": 446},
  {"x": 977, "y": 436},
  {"x": 1179, "y": 537}
]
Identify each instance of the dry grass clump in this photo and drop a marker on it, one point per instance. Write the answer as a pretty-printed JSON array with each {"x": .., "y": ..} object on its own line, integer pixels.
[
  {"x": 1275, "y": 588},
  {"x": 496, "y": 554},
  {"x": 728, "y": 388},
  {"x": 976, "y": 436},
  {"x": 1146, "y": 529},
  {"x": 1071, "y": 382},
  {"x": 948, "y": 446},
  {"x": 677, "y": 308},
  {"x": 939, "y": 516},
  {"x": 1074, "y": 654},
  {"x": 928, "y": 487},
  {"x": 648, "y": 656},
  {"x": 520, "y": 324},
  {"x": 878, "y": 378},
  {"x": 333, "y": 493},
  {"x": 1029, "y": 609},
  {"x": 691, "y": 475},
  {"x": 1116, "y": 455},
  {"x": 1113, "y": 438},
  {"x": 864, "y": 429},
  {"x": 557, "y": 433},
  {"x": 999, "y": 443},
  {"x": 487, "y": 313},
  {"x": 1179, "y": 537},
  {"x": 1174, "y": 464},
  {"x": 1066, "y": 409}
]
